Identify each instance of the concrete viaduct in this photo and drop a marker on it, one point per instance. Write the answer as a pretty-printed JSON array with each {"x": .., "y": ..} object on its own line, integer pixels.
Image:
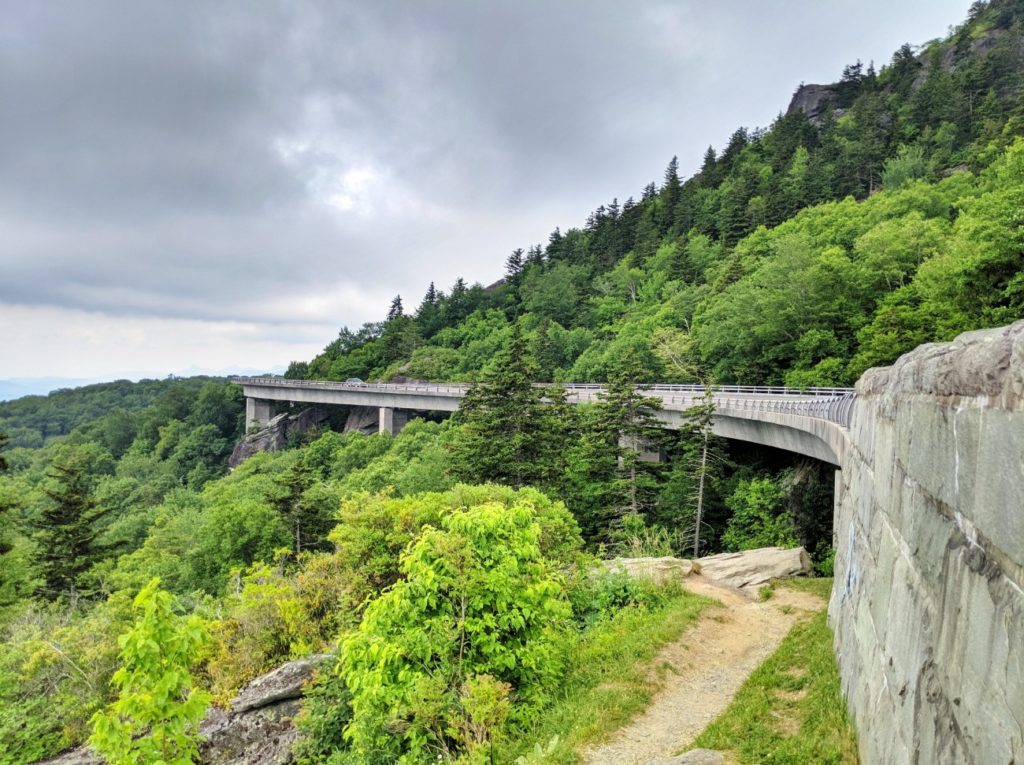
[
  {"x": 813, "y": 422},
  {"x": 928, "y": 602}
]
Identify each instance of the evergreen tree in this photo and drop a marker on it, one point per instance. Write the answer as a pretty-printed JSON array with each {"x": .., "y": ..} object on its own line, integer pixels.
[
  {"x": 510, "y": 430},
  {"x": 514, "y": 264},
  {"x": 670, "y": 193},
  {"x": 608, "y": 477},
  {"x": 66, "y": 535},
  {"x": 309, "y": 521},
  {"x": 395, "y": 311},
  {"x": 703, "y": 460}
]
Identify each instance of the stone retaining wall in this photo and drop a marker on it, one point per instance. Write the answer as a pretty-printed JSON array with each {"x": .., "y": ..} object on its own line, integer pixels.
[{"x": 928, "y": 605}]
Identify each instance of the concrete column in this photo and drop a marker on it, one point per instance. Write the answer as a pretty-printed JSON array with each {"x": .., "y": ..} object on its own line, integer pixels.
[
  {"x": 643, "y": 450},
  {"x": 257, "y": 412},
  {"x": 391, "y": 420},
  {"x": 386, "y": 420}
]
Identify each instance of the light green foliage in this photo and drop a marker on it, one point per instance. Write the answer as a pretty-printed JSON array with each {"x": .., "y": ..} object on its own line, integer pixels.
[
  {"x": 276, "y": 614},
  {"x": 479, "y": 607},
  {"x": 759, "y": 517},
  {"x": 55, "y": 667},
  {"x": 156, "y": 716},
  {"x": 373, "y": 530}
]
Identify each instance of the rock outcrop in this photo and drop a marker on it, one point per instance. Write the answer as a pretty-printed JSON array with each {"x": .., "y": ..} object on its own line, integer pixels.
[
  {"x": 275, "y": 435},
  {"x": 257, "y": 730},
  {"x": 751, "y": 570},
  {"x": 812, "y": 100},
  {"x": 928, "y": 603},
  {"x": 746, "y": 571}
]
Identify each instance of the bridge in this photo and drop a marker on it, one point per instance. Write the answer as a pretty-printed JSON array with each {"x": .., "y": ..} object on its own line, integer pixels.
[
  {"x": 928, "y": 604},
  {"x": 812, "y": 422}
]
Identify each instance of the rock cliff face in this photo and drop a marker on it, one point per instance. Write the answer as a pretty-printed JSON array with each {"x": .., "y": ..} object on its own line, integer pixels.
[
  {"x": 812, "y": 100},
  {"x": 275, "y": 435},
  {"x": 257, "y": 730},
  {"x": 928, "y": 605}
]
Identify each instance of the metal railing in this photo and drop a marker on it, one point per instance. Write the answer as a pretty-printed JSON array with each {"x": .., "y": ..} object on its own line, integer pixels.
[{"x": 831, "y": 404}]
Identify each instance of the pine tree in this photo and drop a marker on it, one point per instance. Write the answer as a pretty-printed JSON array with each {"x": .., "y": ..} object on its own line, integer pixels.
[
  {"x": 66, "y": 534},
  {"x": 514, "y": 264},
  {"x": 670, "y": 193},
  {"x": 395, "y": 311},
  {"x": 608, "y": 479},
  {"x": 535, "y": 256},
  {"x": 703, "y": 458},
  {"x": 510, "y": 430}
]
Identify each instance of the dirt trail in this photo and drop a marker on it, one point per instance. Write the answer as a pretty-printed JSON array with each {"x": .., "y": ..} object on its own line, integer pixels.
[{"x": 706, "y": 666}]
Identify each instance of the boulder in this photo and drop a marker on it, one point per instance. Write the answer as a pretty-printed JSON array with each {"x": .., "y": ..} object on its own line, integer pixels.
[
  {"x": 657, "y": 570},
  {"x": 257, "y": 730},
  {"x": 752, "y": 569}
]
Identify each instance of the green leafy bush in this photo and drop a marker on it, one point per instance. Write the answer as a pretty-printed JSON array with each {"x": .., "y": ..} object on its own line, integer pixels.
[
  {"x": 156, "y": 716},
  {"x": 472, "y": 636}
]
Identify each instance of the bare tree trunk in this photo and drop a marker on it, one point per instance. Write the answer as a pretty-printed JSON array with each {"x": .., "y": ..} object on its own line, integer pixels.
[{"x": 700, "y": 495}]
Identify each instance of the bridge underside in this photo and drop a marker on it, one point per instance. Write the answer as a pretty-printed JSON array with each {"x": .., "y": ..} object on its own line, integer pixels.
[{"x": 819, "y": 439}]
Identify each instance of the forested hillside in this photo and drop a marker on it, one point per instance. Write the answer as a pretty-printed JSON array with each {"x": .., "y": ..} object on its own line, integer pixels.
[
  {"x": 452, "y": 569},
  {"x": 836, "y": 239}
]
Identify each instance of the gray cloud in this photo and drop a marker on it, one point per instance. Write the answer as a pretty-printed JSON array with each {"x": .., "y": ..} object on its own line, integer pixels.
[{"x": 299, "y": 162}]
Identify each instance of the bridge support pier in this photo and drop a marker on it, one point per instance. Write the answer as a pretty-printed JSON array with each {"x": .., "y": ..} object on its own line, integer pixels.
[
  {"x": 257, "y": 412},
  {"x": 391, "y": 421}
]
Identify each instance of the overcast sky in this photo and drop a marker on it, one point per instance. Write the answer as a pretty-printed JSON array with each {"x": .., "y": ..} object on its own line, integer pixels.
[{"x": 206, "y": 185}]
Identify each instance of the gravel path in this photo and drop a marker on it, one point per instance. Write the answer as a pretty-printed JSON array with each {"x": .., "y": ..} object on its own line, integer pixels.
[{"x": 707, "y": 665}]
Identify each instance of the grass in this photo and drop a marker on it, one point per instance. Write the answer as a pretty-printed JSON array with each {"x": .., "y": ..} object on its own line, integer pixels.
[
  {"x": 790, "y": 711},
  {"x": 610, "y": 678}
]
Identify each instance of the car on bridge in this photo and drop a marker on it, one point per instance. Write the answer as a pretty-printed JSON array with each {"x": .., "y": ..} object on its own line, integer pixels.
[{"x": 355, "y": 381}]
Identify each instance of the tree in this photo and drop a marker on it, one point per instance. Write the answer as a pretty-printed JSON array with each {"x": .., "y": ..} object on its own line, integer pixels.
[
  {"x": 67, "y": 531},
  {"x": 309, "y": 520},
  {"x": 156, "y": 716},
  {"x": 514, "y": 264},
  {"x": 670, "y": 192},
  {"x": 395, "y": 310},
  {"x": 510, "y": 430},
  {"x": 4, "y": 440},
  {"x": 760, "y": 517},
  {"x": 608, "y": 475},
  {"x": 703, "y": 457}
]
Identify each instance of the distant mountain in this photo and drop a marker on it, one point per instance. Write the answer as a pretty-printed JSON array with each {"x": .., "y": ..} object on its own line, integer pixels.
[
  {"x": 17, "y": 387},
  {"x": 39, "y": 386}
]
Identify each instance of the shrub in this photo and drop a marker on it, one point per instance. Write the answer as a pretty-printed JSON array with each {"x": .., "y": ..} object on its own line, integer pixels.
[
  {"x": 157, "y": 713},
  {"x": 472, "y": 636}
]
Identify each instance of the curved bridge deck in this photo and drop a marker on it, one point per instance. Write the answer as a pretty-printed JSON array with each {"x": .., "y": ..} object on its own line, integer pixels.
[{"x": 812, "y": 422}]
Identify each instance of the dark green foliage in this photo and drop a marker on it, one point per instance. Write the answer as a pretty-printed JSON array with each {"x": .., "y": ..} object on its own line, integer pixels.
[
  {"x": 510, "y": 431},
  {"x": 67, "y": 526},
  {"x": 607, "y": 476}
]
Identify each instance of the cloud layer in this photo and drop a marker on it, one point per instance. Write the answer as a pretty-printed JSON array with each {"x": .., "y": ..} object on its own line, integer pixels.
[{"x": 289, "y": 166}]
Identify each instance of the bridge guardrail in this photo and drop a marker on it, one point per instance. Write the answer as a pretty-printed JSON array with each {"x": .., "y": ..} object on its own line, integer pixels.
[{"x": 831, "y": 404}]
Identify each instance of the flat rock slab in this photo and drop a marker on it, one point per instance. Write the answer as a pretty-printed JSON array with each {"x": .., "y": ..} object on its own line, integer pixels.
[{"x": 750, "y": 570}]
